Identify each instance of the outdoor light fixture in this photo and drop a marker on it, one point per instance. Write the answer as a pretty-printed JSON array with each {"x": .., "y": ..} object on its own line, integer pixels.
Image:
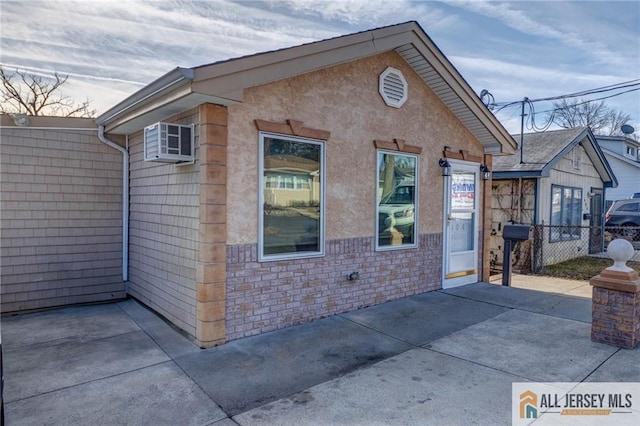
[
  {"x": 486, "y": 173},
  {"x": 20, "y": 119},
  {"x": 446, "y": 167}
]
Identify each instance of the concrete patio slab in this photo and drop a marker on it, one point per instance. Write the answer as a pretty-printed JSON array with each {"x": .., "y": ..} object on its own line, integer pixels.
[
  {"x": 623, "y": 366},
  {"x": 529, "y": 345},
  {"x": 585, "y": 291},
  {"x": 548, "y": 284},
  {"x": 418, "y": 320},
  {"x": 156, "y": 395},
  {"x": 224, "y": 422},
  {"x": 82, "y": 323},
  {"x": 38, "y": 368},
  {"x": 253, "y": 371},
  {"x": 130, "y": 366},
  {"x": 568, "y": 307},
  {"x": 416, "y": 387},
  {"x": 510, "y": 297},
  {"x": 173, "y": 342}
]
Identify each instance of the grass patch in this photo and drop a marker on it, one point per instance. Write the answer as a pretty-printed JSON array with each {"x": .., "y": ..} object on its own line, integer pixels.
[{"x": 582, "y": 268}]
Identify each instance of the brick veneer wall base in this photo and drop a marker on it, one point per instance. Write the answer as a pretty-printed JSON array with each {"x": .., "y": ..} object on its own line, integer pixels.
[{"x": 267, "y": 296}]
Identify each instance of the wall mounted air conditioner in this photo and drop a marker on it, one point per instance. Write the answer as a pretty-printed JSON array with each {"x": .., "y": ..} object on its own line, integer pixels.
[{"x": 168, "y": 143}]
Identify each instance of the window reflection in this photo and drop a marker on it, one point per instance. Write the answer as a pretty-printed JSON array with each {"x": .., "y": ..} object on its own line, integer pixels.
[
  {"x": 396, "y": 199},
  {"x": 292, "y": 193},
  {"x": 566, "y": 213}
]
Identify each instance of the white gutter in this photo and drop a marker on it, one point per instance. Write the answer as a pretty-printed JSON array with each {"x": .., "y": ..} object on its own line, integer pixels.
[
  {"x": 170, "y": 79},
  {"x": 125, "y": 201}
]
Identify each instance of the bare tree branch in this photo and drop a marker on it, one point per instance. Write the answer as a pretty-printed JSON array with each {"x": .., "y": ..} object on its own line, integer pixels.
[
  {"x": 617, "y": 120},
  {"x": 602, "y": 119},
  {"x": 34, "y": 95}
]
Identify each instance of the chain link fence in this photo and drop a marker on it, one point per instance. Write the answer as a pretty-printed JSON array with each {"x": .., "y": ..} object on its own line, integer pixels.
[{"x": 555, "y": 244}]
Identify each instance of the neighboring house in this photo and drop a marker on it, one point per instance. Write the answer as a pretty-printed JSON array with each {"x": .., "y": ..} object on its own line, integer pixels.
[
  {"x": 560, "y": 180},
  {"x": 623, "y": 155},
  {"x": 275, "y": 170}
]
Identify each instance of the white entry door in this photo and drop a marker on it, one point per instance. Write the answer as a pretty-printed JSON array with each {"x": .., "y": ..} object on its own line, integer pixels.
[{"x": 460, "y": 256}]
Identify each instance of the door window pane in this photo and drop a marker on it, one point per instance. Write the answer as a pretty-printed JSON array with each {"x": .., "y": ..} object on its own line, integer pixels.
[
  {"x": 463, "y": 191},
  {"x": 461, "y": 232}
]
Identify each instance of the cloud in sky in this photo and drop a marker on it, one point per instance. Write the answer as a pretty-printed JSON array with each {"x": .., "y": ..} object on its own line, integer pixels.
[{"x": 514, "y": 49}]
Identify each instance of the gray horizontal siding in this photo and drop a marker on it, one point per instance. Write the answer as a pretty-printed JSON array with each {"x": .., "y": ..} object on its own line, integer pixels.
[{"x": 61, "y": 221}]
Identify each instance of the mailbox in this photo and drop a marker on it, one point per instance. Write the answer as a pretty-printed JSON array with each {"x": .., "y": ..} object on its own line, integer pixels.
[
  {"x": 517, "y": 232},
  {"x": 511, "y": 235}
]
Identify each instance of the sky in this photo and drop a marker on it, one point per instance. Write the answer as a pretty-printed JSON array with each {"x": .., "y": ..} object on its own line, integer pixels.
[{"x": 515, "y": 49}]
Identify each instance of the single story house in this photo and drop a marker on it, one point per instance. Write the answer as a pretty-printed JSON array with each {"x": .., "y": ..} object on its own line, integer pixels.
[
  {"x": 277, "y": 188},
  {"x": 557, "y": 179}
]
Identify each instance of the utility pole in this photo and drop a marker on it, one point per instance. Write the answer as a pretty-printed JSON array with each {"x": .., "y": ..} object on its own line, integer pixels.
[{"x": 522, "y": 116}]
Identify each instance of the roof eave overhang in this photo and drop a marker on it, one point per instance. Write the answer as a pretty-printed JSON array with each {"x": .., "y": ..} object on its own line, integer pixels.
[
  {"x": 597, "y": 157},
  {"x": 517, "y": 174},
  {"x": 224, "y": 83},
  {"x": 588, "y": 142},
  {"x": 452, "y": 89},
  {"x": 629, "y": 161}
]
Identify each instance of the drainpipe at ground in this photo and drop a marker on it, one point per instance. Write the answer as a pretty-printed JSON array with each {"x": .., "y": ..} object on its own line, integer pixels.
[{"x": 125, "y": 201}]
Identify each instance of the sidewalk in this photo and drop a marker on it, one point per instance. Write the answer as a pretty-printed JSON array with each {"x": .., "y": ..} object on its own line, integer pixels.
[
  {"x": 445, "y": 357},
  {"x": 548, "y": 284}
]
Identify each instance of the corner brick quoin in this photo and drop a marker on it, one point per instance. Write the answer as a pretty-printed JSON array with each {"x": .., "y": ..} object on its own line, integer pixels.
[{"x": 211, "y": 267}]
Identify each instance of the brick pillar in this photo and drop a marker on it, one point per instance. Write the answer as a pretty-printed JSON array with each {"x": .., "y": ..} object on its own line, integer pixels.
[
  {"x": 616, "y": 300},
  {"x": 212, "y": 247}
]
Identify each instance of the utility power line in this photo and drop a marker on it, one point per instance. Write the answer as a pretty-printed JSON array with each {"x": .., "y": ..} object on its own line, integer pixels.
[
  {"x": 617, "y": 86},
  {"x": 593, "y": 100}
]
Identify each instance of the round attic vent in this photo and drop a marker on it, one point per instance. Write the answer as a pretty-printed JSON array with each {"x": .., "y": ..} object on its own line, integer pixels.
[{"x": 393, "y": 87}]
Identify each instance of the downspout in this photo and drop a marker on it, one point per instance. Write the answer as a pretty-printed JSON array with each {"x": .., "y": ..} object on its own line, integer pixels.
[{"x": 125, "y": 201}]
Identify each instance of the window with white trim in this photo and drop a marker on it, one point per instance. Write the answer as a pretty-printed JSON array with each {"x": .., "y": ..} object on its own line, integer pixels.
[
  {"x": 291, "y": 197},
  {"x": 566, "y": 213},
  {"x": 397, "y": 191},
  {"x": 630, "y": 152}
]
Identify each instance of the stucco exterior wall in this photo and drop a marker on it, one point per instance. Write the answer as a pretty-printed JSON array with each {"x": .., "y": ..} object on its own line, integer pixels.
[
  {"x": 343, "y": 100},
  {"x": 163, "y": 231},
  {"x": 61, "y": 216}
]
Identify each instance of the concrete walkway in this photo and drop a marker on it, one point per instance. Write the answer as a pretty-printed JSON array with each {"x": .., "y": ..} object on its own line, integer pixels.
[
  {"x": 446, "y": 357},
  {"x": 548, "y": 284}
]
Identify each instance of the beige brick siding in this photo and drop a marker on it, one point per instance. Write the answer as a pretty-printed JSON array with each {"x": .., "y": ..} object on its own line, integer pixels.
[
  {"x": 60, "y": 220},
  {"x": 270, "y": 295},
  {"x": 163, "y": 232}
]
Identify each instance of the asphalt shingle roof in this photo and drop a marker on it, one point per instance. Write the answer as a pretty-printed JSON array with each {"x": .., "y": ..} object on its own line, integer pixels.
[{"x": 539, "y": 149}]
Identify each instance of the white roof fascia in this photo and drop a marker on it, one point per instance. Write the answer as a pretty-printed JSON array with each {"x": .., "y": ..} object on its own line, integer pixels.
[{"x": 224, "y": 82}]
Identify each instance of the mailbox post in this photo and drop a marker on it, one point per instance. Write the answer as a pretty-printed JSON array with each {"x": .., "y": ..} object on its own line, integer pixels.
[{"x": 511, "y": 235}]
